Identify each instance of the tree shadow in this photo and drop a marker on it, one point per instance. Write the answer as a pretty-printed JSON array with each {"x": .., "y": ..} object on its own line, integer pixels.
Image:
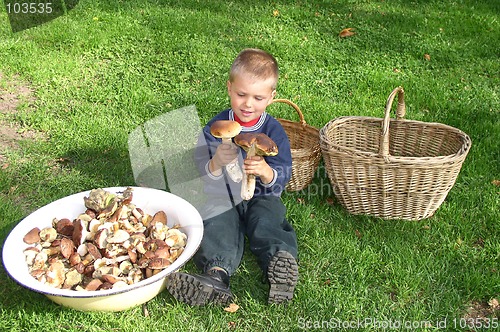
[{"x": 25, "y": 15}]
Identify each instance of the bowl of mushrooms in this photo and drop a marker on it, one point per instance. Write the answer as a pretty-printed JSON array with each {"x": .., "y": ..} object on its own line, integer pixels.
[{"x": 106, "y": 249}]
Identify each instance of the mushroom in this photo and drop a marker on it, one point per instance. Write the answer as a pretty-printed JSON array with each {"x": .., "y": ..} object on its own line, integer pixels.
[
  {"x": 55, "y": 274},
  {"x": 120, "y": 284},
  {"x": 30, "y": 254},
  {"x": 226, "y": 130},
  {"x": 64, "y": 226},
  {"x": 93, "y": 285},
  {"x": 160, "y": 216},
  {"x": 79, "y": 232},
  {"x": 158, "y": 263},
  {"x": 40, "y": 259},
  {"x": 32, "y": 236},
  {"x": 73, "y": 278},
  {"x": 119, "y": 236},
  {"x": 175, "y": 238},
  {"x": 48, "y": 234},
  {"x": 163, "y": 252},
  {"x": 103, "y": 202},
  {"x": 75, "y": 259},
  {"x": 93, "y": 251},
  {"x": 67, "y": 247},
  {"x": 255, "y": 145}
]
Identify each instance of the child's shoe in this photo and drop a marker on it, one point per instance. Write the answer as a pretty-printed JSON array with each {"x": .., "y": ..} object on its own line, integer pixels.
[
  {"x": 201, "y": 289},
  {"x": 282, "y": 273}
]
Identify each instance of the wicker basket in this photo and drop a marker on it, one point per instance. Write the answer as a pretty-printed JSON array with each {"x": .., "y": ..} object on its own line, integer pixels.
[
  {"x": 404, "y": 172},
  {"x": 304, "y": 144}
]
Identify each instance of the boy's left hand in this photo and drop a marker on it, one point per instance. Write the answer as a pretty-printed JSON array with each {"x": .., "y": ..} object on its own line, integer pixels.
[{"x": 257, "y": 166}]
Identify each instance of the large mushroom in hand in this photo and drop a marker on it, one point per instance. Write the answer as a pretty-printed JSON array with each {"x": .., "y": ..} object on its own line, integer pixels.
[
  {"x": 226, "y": 130},
  {"x": 255, "y": 145}
]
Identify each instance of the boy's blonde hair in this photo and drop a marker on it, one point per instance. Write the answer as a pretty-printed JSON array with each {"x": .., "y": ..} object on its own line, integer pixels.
[{"x": 257, "y": 63}]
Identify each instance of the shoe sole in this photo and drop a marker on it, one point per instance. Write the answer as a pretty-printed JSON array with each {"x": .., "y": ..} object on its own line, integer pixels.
[
  {"x": 189, "y": 289},
  {"x": 283, "y": 274}
]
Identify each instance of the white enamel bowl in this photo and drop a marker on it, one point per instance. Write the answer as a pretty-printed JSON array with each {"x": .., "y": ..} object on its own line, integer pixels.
[{"x": 149, "y": 200}]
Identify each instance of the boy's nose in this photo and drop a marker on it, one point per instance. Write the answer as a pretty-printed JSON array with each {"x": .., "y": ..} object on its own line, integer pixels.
[{"x": 248, "y": 102}]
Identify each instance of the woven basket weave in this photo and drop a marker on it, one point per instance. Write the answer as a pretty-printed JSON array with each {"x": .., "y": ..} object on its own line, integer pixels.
[
  {"x": 392, "y": 168},
  {"x": 304, "y": 144}
]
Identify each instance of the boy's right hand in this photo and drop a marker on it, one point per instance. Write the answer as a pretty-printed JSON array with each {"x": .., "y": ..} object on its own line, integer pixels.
[{"x": 224, "y": 154}]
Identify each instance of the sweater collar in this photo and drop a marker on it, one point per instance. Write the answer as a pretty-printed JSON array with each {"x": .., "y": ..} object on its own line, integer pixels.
[{"x": 248, "y": 126}]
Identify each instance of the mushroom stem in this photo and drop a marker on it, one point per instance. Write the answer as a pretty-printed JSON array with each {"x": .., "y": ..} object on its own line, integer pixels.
[
  {"x": 233, "y": 169},
  {"x": 248, "y": 184}
]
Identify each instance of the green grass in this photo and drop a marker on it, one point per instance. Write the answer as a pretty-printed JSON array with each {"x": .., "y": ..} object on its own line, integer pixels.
[{"x": 107, "y": 67}]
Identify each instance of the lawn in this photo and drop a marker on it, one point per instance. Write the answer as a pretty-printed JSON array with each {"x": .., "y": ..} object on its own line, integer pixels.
[{"x": 73, "y": 89}]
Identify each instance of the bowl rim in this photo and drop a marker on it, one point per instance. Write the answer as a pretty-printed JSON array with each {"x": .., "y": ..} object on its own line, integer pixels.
[{"x": 52, "y": 291}]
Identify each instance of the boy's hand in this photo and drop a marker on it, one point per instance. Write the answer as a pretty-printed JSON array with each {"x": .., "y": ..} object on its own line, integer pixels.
[
  {"x": 224, "y": 155},
  {"x": 257, "y": 166}
]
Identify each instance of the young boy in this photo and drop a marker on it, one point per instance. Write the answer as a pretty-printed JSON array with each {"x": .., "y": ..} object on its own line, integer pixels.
[{"x": 228, "y": 219}]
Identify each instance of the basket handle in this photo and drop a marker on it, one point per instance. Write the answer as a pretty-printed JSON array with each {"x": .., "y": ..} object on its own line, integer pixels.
[
  {"x": 400, "y": 113},
  {"x": 297, "y": 109}
]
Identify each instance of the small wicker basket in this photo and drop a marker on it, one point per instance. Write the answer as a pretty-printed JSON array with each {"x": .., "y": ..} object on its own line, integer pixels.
[
  {"x": 404, "y": 172},
  {"x": 304, "y": 144}
]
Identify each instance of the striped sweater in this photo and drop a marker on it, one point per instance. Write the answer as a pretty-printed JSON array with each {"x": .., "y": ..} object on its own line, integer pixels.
[{"x": 223, "y": 185}]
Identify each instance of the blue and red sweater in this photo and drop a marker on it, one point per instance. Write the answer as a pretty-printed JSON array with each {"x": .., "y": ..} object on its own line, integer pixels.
[{"x": 281, "y": 163}]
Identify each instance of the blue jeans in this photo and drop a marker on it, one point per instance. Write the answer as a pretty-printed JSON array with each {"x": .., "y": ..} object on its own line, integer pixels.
[{"x": 262, "y": 220}]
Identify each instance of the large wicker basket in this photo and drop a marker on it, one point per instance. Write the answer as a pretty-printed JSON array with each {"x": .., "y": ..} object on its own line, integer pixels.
[
  {"x": 392, "y": 168},
  {"x": 304, "y": 144}
]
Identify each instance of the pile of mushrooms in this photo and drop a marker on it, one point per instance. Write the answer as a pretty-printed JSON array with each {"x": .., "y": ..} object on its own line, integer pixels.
[
  {"x": 112, "y": 244},
  {"x": 226, "y": 130},
  {"x": 255, "y": 145}
]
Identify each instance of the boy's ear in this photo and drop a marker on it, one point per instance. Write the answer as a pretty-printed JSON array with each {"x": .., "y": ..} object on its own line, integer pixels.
[
  {"x": 273, "y": 94},
  {"x": 228, "y": 86}
]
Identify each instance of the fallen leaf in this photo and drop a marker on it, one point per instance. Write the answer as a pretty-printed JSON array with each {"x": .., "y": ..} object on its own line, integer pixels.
[
  {"x": 276, "y": 13},
  {"x": 493, "y": 303},
  {"x": 5, "y": 166},
  {"x": 233, "y": 307},
  {"x": 327, "y": 282},
  {"x": 346, "y": 33},
  {"x": 312, "y": 216},
  {"x": 231, "y": 325},
  {"x": 427, "y": 57},
  {"x": 358, "y": 234},
  {"x": 301, "y": 200},
  {"x": 496, "y": 182},
  {"x": 145, "y": 310},
  {"x": 330, "y": 201},
  {"x": 426, "y": 227}
]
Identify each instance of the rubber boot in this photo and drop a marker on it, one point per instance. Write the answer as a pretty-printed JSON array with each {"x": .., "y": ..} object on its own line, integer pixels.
[
  {"x": 201, "y": 289},
  {"x": 283, "y": 274}
]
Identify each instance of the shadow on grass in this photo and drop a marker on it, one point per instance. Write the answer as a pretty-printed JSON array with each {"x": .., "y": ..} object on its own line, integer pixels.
[{"x": 26, "y": 15}]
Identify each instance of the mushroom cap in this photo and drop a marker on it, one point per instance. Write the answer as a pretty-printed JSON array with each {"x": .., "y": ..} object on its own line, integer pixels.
[
  {"x": 225, "y": 129},
  {"x": 264, "y": 145}
]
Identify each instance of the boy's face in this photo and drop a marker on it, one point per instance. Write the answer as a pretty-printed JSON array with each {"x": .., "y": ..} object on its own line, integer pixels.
[{"x": 249, "y": 96}]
